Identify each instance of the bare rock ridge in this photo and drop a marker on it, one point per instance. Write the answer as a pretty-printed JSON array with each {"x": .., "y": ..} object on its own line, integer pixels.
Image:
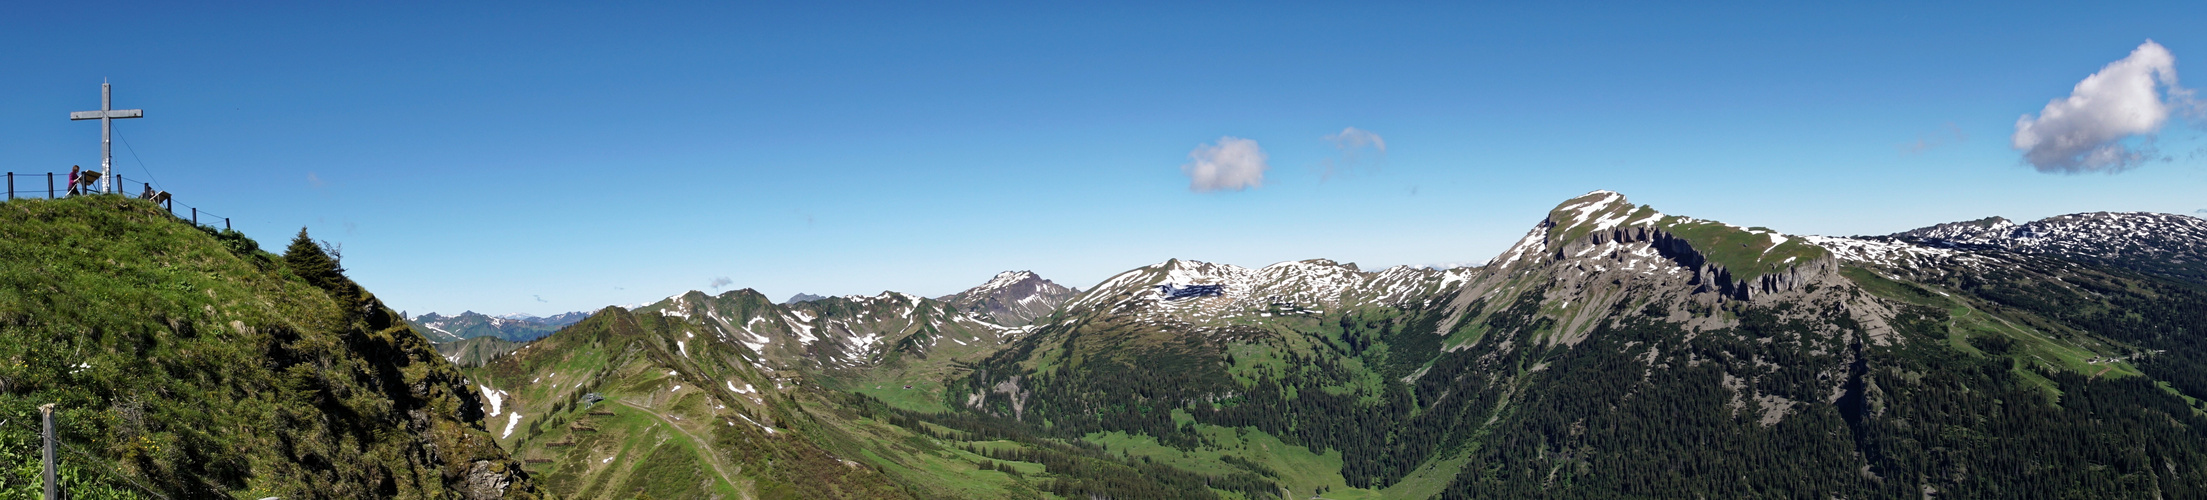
[{"x": 1012, "y": 298}]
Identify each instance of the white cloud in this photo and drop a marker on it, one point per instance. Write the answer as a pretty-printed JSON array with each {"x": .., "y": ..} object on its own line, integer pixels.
[
  {"x": 1926, "y": 142},
  {"x": 1234, "y": 163},
  {"x": 1352, "y": 142},
  {"x": 2085, "y": 131},
  {"x": 721, "y": 281}
]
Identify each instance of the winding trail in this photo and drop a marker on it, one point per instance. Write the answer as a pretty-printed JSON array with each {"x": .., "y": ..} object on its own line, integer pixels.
[{"x": 703, "y": 448}]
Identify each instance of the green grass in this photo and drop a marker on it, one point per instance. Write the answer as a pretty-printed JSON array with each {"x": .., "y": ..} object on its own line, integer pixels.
[
  {"x": 1300, "y": 471},
  {"x": 1746, "y": 253},
  {"x": 1968, "y": 321},
  {"x": 133, "y": 321}
]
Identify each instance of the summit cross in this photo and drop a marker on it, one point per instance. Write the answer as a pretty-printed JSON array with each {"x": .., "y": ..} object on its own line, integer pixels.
[{"x": 107, "y": 114}]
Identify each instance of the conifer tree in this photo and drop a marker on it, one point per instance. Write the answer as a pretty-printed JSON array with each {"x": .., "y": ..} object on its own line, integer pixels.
[{"x": 307, "y": 259}]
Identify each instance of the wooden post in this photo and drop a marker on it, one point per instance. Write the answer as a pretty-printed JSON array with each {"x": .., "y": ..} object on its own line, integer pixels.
[
  {"x": 225, "y": 223},
  {"x": 49, "y": 185},
  {"x": 46, "y": 412},
  {"x": 11, "y": 185},
  {"x": 195, "y": 216}
]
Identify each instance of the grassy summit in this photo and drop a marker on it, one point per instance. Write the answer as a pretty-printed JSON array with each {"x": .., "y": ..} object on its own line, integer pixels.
[
  {"x": 1746, "y": 252},
  {"x": 191, "y": 364}
]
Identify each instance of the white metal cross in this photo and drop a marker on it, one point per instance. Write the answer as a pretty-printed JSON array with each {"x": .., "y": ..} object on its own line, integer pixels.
[{"x": 107, "y": 114}]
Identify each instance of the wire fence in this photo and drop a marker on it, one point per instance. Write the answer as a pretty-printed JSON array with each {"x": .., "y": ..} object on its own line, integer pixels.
[{"x": 53, "y": 185}]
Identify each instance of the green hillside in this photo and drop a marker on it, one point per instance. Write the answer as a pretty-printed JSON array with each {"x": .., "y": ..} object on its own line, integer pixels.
[
  {"x": 611, "y": 408},
  {"x": 188, "y": 363}
]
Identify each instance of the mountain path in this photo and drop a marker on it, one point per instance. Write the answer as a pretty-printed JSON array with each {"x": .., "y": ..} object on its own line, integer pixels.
[{"x": 702, "y": 447}]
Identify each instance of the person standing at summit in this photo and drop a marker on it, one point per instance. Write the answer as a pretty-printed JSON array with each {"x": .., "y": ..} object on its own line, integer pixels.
[{"x": 73, "y": 179}]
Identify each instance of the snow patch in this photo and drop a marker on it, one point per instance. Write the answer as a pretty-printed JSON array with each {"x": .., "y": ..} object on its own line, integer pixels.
[
  {"x": 494, "y": 397},
  {"x": 511, "y": 421}
]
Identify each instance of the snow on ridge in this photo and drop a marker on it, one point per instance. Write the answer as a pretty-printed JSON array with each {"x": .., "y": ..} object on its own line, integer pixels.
[
  {"x": 1891, "y": 253},
  {"x": 1004, "y": 279},
  {"x": 1535, "y": 241},
  {"x": 514, "y": 419},
  {"x": 1589, "y": 207}
]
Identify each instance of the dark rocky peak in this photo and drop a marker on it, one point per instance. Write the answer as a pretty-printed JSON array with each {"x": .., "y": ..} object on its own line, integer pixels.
[{"x": 1012, "y": 298}]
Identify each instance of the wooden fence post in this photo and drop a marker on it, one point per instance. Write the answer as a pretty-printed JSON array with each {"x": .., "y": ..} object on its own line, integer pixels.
[
  {"x": 49, "y": 185},
  {"x": 46, "y": 412},
  {"x": 195, "y": 216},
  {"x": 11, "y": 185}
]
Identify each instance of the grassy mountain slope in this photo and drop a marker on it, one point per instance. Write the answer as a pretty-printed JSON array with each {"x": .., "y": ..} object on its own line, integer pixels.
[
  {"x": 662, "y": 401},
  {"x": 893, "y": 346},
  {"x": 624, "y": 404},
  {"x": 187, "y": 363}
]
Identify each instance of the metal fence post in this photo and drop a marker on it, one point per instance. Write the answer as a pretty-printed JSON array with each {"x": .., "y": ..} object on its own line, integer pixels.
[{"x": 53, "y": 490}]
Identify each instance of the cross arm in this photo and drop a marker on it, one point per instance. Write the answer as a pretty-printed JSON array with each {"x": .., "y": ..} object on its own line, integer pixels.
[{"x": 97, "y": 114}]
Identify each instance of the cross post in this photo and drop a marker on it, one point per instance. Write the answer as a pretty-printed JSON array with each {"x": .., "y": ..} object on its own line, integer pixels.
[{"x": 107, "y": 114}]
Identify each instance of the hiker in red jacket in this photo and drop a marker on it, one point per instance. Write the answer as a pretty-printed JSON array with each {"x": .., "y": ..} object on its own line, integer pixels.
[{"x": 73, "y": 179}]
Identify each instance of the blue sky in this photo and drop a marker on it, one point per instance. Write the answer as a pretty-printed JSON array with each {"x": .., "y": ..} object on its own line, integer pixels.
[{"x": 566, "y": 156}]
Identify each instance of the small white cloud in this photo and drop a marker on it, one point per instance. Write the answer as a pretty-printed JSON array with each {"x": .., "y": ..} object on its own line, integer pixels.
[
  {"x": 721, "y": 282},
  {"x": 1234, "y": 163},
  {"x": 2084, "y": 132},
  {"x": 1926, "y": 142},
  {"x": 1353, "y": 144}
]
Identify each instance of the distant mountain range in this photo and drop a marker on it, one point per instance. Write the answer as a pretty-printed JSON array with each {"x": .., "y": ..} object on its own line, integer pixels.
[
  {"x": 2168, "y": 245},
  {"x": 1614, "y": 351},
  {"x": 511, "y": 327},
  {"x": 1931, "y": 360}
]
